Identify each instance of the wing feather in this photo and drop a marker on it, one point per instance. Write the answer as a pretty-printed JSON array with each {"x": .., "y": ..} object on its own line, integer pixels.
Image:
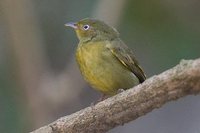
[{"x": 126, "y": 57}]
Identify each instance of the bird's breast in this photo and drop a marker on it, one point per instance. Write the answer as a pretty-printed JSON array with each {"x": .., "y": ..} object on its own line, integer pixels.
[
  {"x": 101, "y": 69},
  {"x": 91, "y": 58}
]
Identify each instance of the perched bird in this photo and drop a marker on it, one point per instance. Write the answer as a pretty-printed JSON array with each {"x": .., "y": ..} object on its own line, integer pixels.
[{"x": 105, "y": 62}]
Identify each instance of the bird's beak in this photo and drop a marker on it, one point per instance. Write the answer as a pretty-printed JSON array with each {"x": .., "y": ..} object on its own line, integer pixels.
[{"x": 71, "y": 24}]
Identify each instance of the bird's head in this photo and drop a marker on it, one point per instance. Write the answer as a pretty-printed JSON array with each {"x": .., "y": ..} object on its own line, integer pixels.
[{"x": 92, "y": 29}]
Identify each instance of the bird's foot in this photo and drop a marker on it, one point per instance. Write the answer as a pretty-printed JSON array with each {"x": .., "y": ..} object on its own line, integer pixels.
[
  {"x": 120, "y": 91},
  {"x": 103, "y": 97}
]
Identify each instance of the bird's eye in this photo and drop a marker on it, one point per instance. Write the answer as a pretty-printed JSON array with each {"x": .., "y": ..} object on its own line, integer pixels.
[{"x": 86, "y": 27}]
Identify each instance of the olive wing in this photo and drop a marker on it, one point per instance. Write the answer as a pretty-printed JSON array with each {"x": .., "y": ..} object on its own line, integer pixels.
[{"x": 126, "y": 57}]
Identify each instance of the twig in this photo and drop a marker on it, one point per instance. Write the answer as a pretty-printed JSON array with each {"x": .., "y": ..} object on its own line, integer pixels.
[{"x": 182, "y": 80}]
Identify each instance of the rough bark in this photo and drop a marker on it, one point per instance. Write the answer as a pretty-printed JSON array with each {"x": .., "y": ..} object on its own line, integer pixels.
[{"x": 177, "y": 82}]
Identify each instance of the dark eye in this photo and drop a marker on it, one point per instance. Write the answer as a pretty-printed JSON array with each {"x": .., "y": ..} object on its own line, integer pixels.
[{"x": 86, "y": 27}]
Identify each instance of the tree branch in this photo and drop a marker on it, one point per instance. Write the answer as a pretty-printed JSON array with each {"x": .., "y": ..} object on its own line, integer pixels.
[{"x": 182, "y": 80}]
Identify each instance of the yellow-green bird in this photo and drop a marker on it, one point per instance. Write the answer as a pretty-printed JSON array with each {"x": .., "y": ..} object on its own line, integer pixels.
[{"x": 105, "y": 62}]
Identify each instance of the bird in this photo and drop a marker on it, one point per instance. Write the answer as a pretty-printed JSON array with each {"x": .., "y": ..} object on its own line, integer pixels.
[{"x": 104, "y": 60}]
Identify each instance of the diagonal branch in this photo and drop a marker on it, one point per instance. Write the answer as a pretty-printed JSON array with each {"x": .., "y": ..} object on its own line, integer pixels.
[{"x": 177, "y": 82}]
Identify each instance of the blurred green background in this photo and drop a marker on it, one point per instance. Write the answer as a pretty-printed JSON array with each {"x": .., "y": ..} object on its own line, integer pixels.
[{"x": 39, "y": 78}]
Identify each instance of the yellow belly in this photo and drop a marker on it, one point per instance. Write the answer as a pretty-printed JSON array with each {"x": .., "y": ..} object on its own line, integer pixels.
[{"x": 102, "y": 70}]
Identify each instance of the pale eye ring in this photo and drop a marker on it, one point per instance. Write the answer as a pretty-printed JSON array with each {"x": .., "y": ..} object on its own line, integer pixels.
[{"x": 86, "y": 27}]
